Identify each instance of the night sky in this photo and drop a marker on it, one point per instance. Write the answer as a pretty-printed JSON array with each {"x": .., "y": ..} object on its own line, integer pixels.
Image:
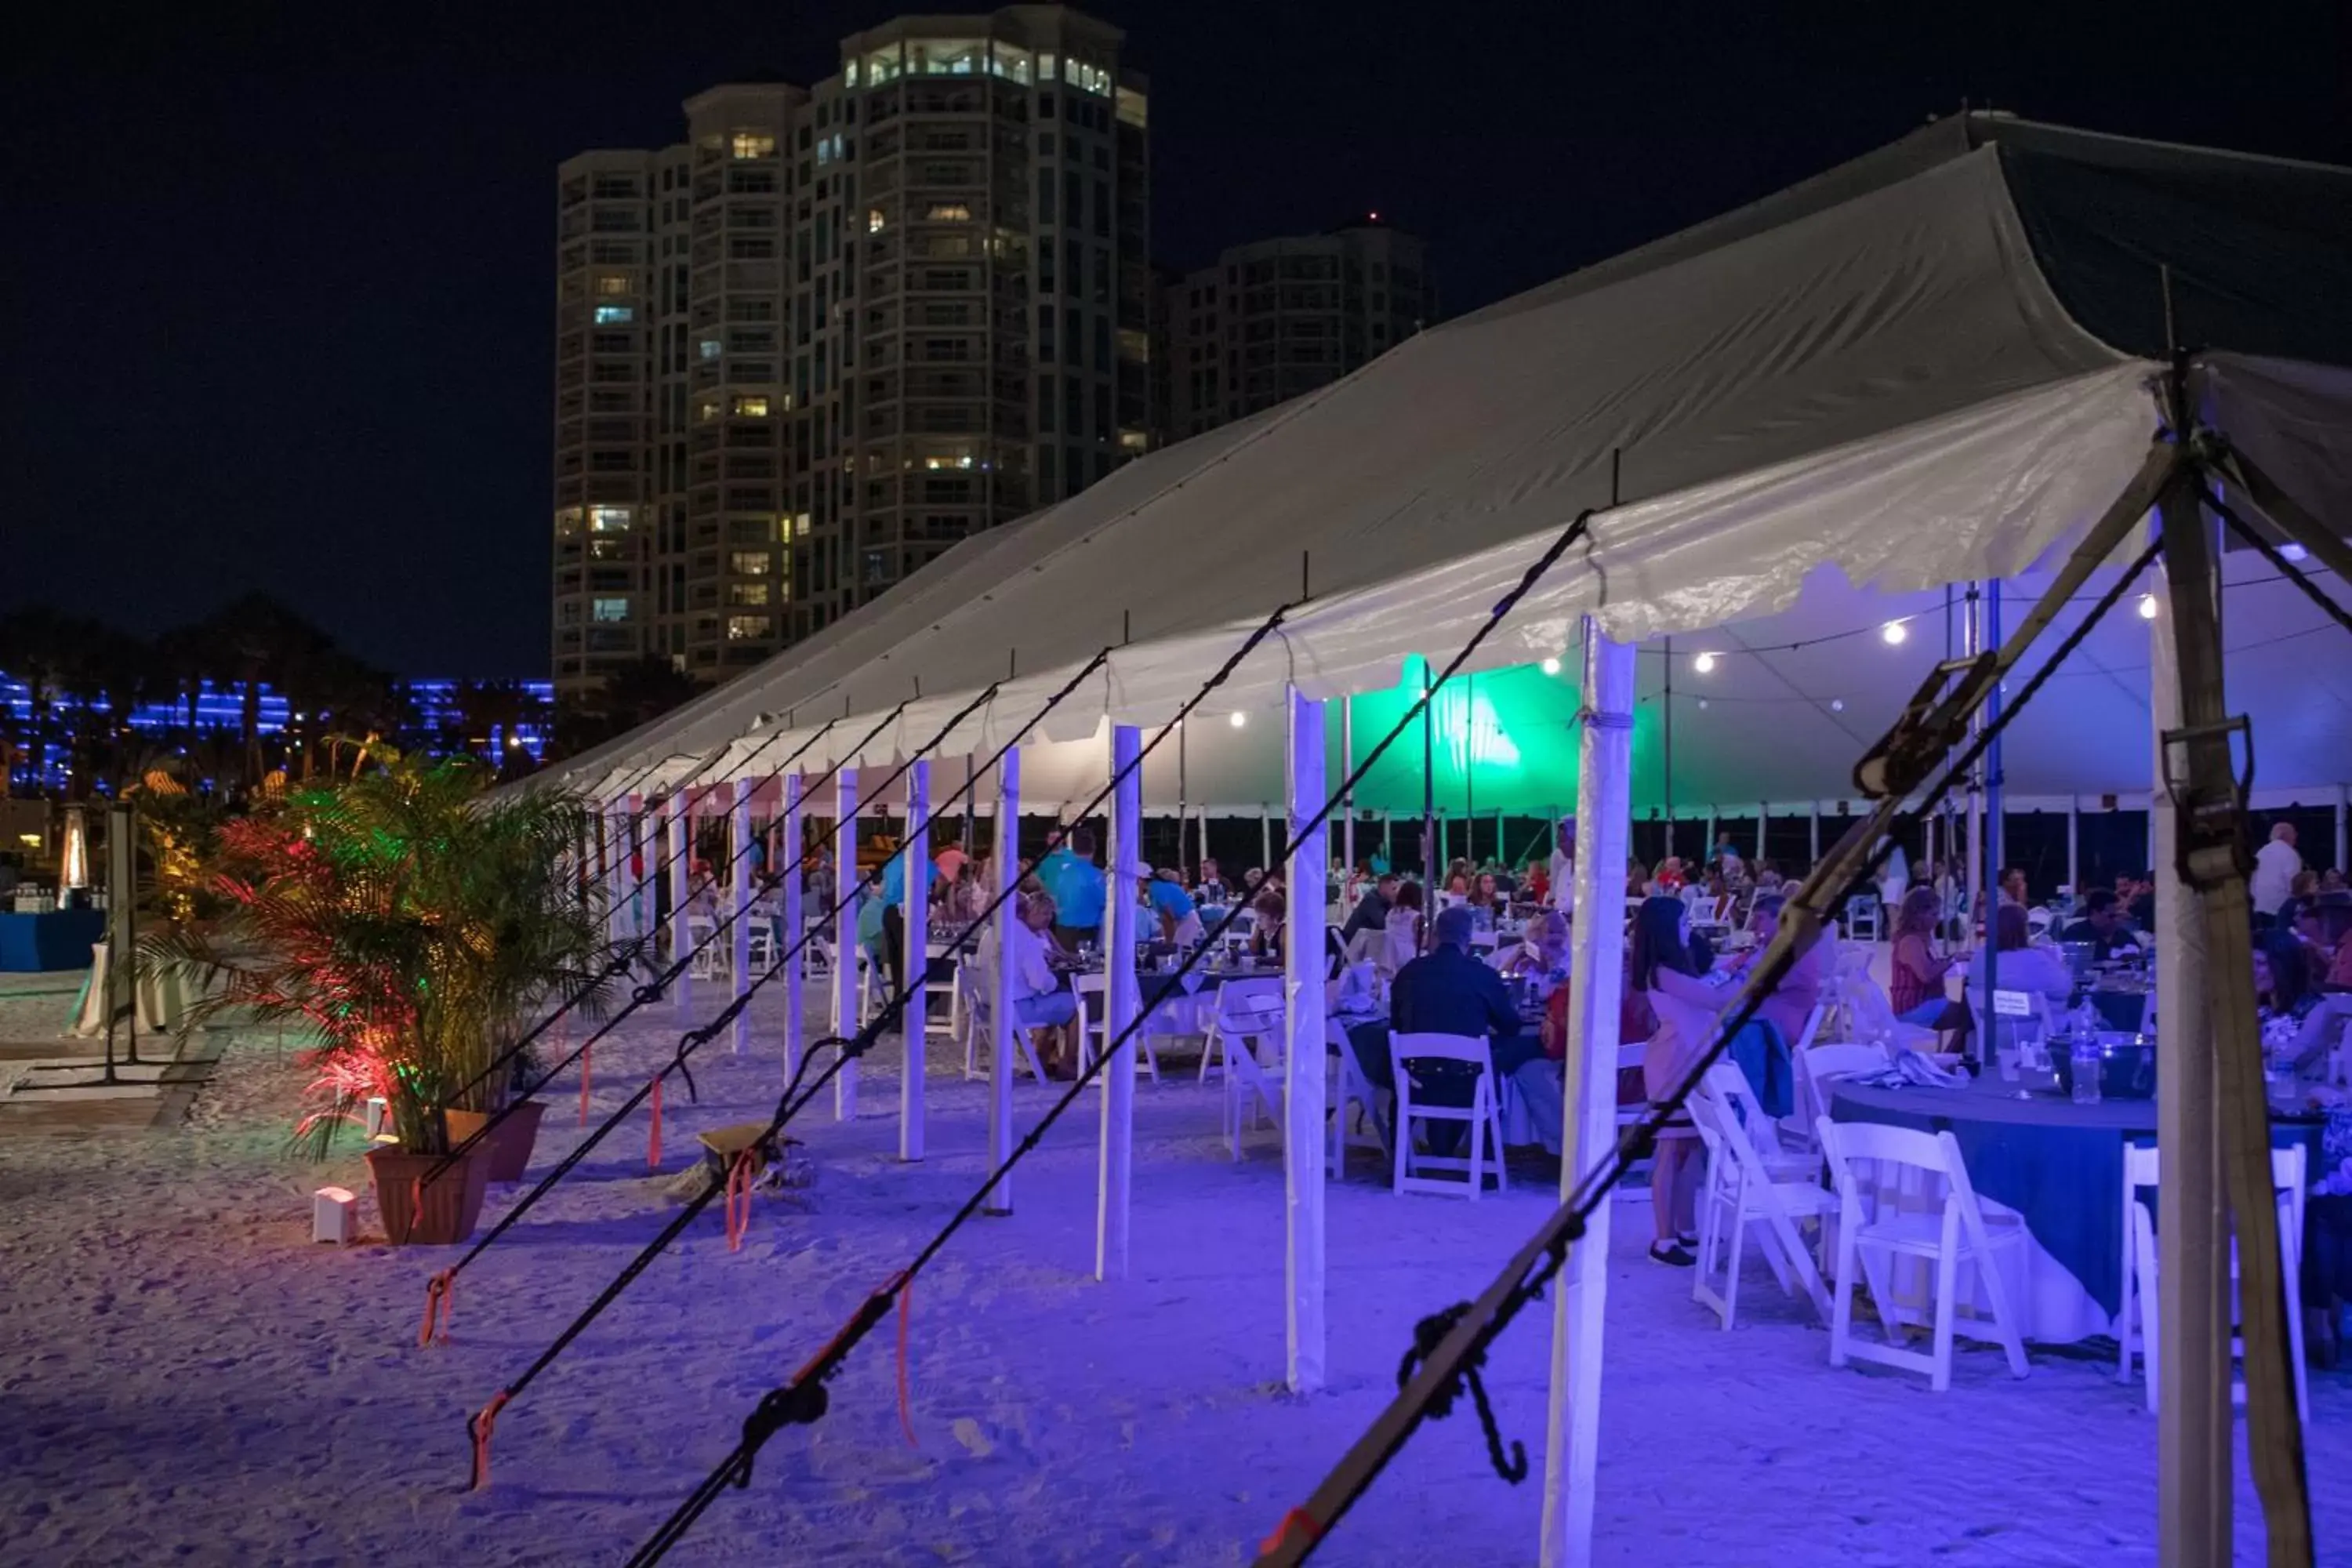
[{"x": 279, "y": 277}]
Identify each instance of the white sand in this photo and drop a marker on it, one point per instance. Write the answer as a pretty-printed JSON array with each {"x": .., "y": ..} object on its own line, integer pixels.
[{"x": 187, "y": 1377}]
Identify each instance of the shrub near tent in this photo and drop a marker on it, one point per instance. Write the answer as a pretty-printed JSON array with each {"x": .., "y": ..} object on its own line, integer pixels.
[{"x": 415, "y": 926}]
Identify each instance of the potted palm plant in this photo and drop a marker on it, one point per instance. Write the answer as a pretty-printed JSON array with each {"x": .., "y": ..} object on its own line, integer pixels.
[{"x": 415, "y": 926}]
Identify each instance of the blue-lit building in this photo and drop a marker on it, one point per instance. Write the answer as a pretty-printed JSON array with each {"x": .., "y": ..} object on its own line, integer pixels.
[{"x": 437, "y": 717}]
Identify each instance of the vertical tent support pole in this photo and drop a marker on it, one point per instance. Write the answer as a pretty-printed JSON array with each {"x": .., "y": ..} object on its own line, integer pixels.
[
  {"x": 844, "y": 939},
  {"x": 1122, "y": 999},
  {"x": 1183, "y": 862},
  {"x": 616, "y": 868},
  {"x": 1813, "y": 832},
  {"x": 1988, "y": 972},
  {"x": 1603, "y": 811},
  {"x": 2340, "y": 825},
  {"x": 789, "y": 855},
  {"x": 1666, "y": 742},
  {"x": 1387, "y": 838},
  {"x": 1763, "y": 815},
  {"x": 1706, "y": 848},
  {"x": 2194, "y": 1422},
  {"x": 1000, "y": 1024},
  {"x": 680, "y": 852},
  {"x": 1348, "y": 805},
  {"x": 1304, "y": 1057},
  {"x": 1432, "y": 854},
  {"x": 915, "y": 932},
  {"x": 1265, "y": 841},
  {"x": 2074, "y": 846},
  {"x": 740, "y": 905}
]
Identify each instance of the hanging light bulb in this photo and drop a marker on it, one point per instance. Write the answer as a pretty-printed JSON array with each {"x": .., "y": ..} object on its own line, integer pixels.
[
  {"x": 1551, "y": 666},
  {"x": 1238, "y": 720},
  {"x": 1837, "y": 704},
  {"x": 1894, "y": 633},
  {"x": 2147, "y": 606},
  {"x": 1702, "y": 704},
  {"x": 1703, "y": 663}
]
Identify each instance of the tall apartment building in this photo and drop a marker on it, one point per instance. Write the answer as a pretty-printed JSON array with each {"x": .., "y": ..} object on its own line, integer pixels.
[
  {"x": 1275, "y": 319},
  {"x": 839, "y": 328}
]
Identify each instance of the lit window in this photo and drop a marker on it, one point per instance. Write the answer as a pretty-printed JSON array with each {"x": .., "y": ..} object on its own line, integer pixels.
[
  {"x": 709, "y": 348},
  {"x": 748, "y": 562},
  {"x": 1133, "y": 110},
  {"x": 614, "y": 315},
  {"x": 876, "y": 220},
  {"x": 849, "y": 73},
  {"x": 948, "y": 211},
  {"x": 752, "y": 407},
  {"x": 747, "y": 628},
  {"x": 610, "y": 283},
  {"x": 754, "y": 144},
  {"x": 709, "y": 408},
  {"x": 607, "y": 519},
  {"x": 612, "y": 609},
  {"x": 1045, "y": 70},
  {"x": 747, "y": 593}
]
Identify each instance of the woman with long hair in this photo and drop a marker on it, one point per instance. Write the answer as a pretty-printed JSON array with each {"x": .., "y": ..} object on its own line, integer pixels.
[
  {"x": 1665, "y": 972},
  {"x": 1914, "y": 983}
]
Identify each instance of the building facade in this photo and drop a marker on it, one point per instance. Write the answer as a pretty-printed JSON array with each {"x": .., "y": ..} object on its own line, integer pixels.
[
  {"x": 839, "y": 328},
  {"x": 1275, "y": 319}
]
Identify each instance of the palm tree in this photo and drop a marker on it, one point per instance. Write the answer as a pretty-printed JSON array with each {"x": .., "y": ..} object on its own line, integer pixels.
[
  {"x": 260, "y": 642},
  {"x": 37, "y": 647}
]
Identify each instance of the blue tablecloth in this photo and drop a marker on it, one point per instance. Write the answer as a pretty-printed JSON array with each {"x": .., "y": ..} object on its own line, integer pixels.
[
  {"x": 2057, "y": 1164},
  {"x": 58, "y": 939}
]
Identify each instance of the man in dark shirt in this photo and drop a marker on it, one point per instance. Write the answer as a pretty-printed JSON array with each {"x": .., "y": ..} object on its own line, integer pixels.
[
  {"x": 1372, "y": 910},
  {"x": 1446, "y": 991},
  {"x": 2102, "y": 924}
]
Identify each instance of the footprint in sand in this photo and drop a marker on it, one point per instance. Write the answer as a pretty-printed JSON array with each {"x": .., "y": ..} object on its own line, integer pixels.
[{"x": 975, "y": 1441}]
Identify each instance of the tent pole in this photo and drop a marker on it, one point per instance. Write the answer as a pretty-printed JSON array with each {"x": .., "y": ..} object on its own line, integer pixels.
[
  {"x": 1603, "y": 810},
  {"x": 1813, "y": 833},
  {"x": 2074, "y": 847},
  {"x": 1470, "y": 770},
  {"x": 617, "y": 870},
  {"x": 1387, "y": 838},
  {"x": 1265, "y": 839},
  {"x": 681, "y": 838},
  {"x": 2194, "y": 1421},
  {"x": 1121, "y": 1001},
  {"x": 738, "y": 907},
  {"x": 1303, "y": 1132},
  {"x": 844, "y": 944},
  {"x": 1984, "y": 878},
  {"x": 1763, "y": 815},
  {"x": 2340, "y": 825},
  {"x": 1430, "y": 852},
  {"x": 790, "y": 855},
  {"x": 1666, "y": 729},
  {"x": 1347, "y": 802},
  {"x": 1000, "y": 978},
  {"x": 1707, "y": 845},
  {"x": 1182, "y": 785},
  {"x": 1989, "y": 636},
  {"x": 915, "y": 946}
]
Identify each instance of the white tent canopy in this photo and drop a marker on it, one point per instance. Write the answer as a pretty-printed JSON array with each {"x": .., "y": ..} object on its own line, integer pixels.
[{"x": 1821, "y": 408}]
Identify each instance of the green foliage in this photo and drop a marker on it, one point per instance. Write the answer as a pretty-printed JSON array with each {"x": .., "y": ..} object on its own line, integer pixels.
[{"x": 417, "y": 925}]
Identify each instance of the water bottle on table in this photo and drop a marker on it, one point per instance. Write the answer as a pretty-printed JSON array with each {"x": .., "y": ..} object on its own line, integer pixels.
[{"x": 2087, "y": 1066}]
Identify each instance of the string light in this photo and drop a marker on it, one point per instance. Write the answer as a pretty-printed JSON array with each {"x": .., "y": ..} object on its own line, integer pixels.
[
  {"x": 1551, "y": 666},
  {"x": 2147, "y": 606},
  {"x": 1837, "y": 704},
  {"x": 1238, "y": 720},
  {"x": 1703, "y": 663},
  {"x": 1894, "y": 633}
]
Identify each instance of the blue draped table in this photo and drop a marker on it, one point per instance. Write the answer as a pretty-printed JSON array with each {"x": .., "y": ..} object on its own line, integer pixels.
[
  {"x": 2058, "y": 1164},
  {"x": 60, "y": 939}
]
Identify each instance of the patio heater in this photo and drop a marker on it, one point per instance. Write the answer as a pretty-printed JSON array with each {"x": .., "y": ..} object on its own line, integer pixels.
[{"x": 73, "y": 863}]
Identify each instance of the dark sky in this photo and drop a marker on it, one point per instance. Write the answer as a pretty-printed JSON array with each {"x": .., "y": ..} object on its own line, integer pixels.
[{"x": 279, "y": 277}]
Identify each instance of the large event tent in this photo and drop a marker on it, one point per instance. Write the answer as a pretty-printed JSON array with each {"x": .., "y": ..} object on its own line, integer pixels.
[
  {"x": 1934, "y": 365},
  {"x": 1923, "y": 368}
]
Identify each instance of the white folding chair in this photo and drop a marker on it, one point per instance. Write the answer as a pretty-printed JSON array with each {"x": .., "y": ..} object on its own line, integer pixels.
[
  {"x": 1818, "y": 1065},
  {"x": 1244, "y": 1009},
  {"x": 1348, "y": 1087},
  {"x": 709, "y": 957},
  {"x": 1742, "y": 1188},
  {"x": 761, "y": 951},
  {"x": 1093, "y": 1024},
  {"x": 1249, "y": 1080},
  {"x": 972, "y": 979},
  {"x": 1483, "y": 1117},
  {"x": 1862, "y": 917},
  {"x": 1877, "y": 1230},
  {"x": 2136, "y": 1323}
]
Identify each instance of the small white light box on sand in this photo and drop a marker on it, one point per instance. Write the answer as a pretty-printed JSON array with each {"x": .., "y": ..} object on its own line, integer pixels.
[
  {"x": 334, "y": 1216},
  {"x": 378, "y": 1118}
]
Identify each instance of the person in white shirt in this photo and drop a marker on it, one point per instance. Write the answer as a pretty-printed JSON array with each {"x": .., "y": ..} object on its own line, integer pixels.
[
  {"x": 2276, "y": 865},
  {"x": 1562, "y": 873},
  {"x": 1038, "y": 1001}
]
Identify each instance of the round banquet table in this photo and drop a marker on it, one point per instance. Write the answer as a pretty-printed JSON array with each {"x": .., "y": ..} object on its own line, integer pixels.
[{"x": 2055, "y": 1164}]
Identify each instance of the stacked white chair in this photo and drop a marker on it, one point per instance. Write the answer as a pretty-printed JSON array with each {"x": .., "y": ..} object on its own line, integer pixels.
[
  {"x": 1877, "y": 1229},
  {"x": 1482, "y": 1118},
  {"x": 1749, "y": 1181},
  {"x": 2136, "y": 1323}
]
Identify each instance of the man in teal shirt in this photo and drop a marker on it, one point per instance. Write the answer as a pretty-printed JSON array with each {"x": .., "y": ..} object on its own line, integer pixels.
[
  {"x": 894, "y": 915},
  {"x": 1070, "y": 874}
]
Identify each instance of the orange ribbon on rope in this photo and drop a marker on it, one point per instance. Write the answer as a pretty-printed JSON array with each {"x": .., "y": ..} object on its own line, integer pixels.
[
  {"x": 653, "y": 1144},
  {"x": 905, "y": 1315},
  {"x": 484, "y": 1420},
  {"x": 1299, "y": 1522},
  {"x": 440, "y": 1300},
  {"x": 738, "y": 1186},
  {"x": 587, "y": 1076}
]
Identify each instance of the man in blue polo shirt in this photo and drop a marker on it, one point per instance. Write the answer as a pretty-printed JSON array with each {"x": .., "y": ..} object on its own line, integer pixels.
[
  {"x": 1070, "y": 874},
  {"x": 894, "y": 914},
  {"x": 1180, "y": 919}
]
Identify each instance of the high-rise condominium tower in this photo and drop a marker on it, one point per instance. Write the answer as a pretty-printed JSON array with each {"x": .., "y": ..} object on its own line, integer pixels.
[
  {"x": 839, "y": 328},
  {"x": 1277, "y": 318}
]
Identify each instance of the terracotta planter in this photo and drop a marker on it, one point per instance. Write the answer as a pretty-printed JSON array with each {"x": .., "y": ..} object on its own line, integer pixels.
[
  {"x": 453, "y": 1202},
  {"x": 510, "y": 1143}
]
